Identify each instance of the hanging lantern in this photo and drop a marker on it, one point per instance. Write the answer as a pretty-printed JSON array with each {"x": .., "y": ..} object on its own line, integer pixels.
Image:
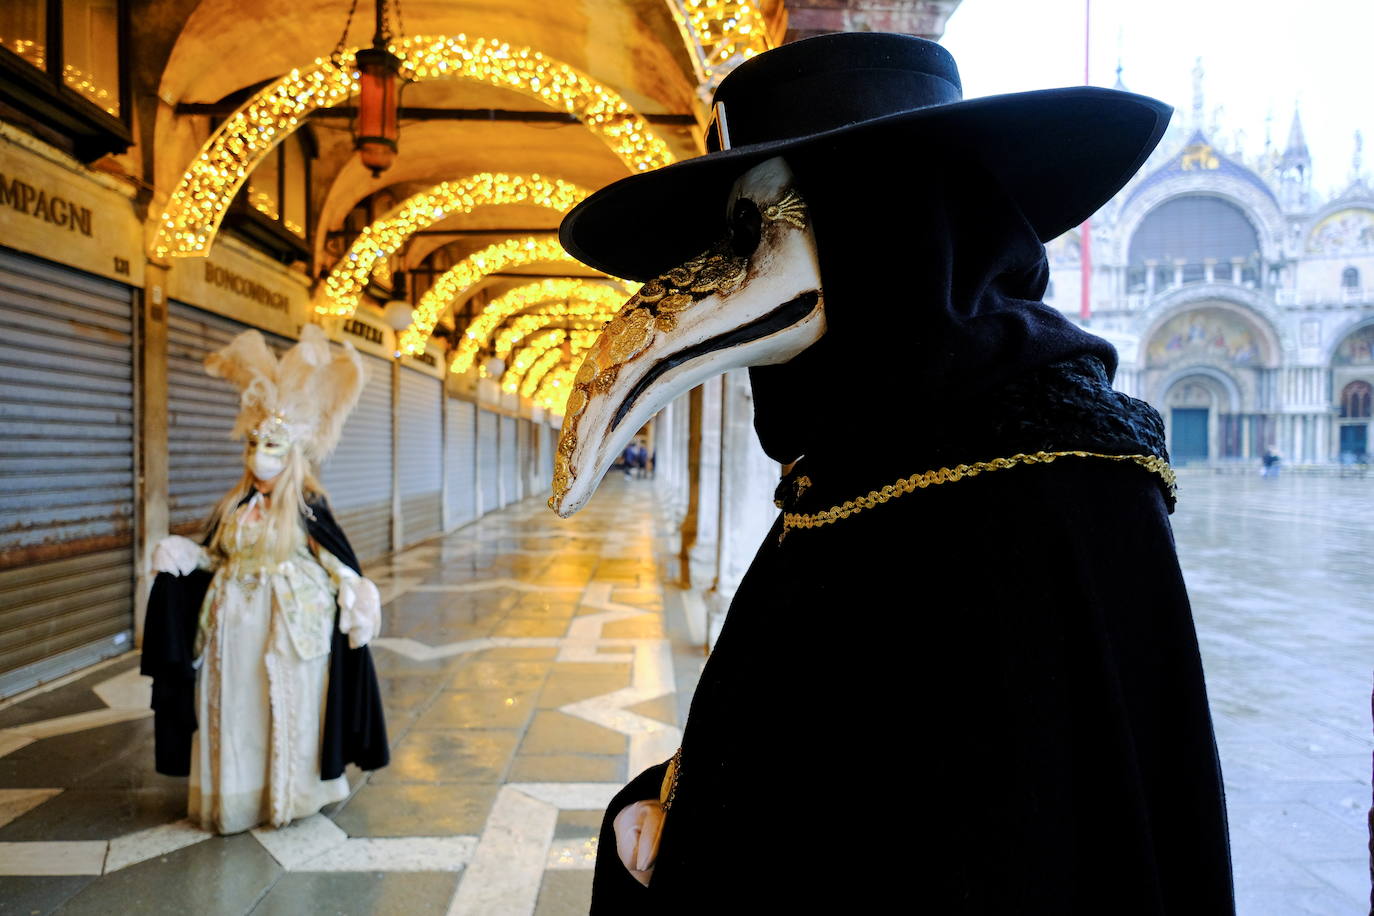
[{"x": 376, "y": 130}]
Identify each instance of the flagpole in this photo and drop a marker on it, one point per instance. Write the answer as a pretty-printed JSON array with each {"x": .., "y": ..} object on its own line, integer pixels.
[{"x": 1085, "y": 247}]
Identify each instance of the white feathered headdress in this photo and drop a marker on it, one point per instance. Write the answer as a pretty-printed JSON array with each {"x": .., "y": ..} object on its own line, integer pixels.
[{"x": 310, "y": 390}]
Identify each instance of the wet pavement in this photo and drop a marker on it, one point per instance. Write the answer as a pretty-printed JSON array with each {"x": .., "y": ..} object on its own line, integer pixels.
[
  {"x": 530, "y": 665},
  {"x": 1281, "y": 576}
]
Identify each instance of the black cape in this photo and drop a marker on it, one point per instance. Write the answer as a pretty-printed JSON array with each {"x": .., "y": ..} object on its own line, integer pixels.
[
  {"x": 354, "y": 724},
  {"x": 984, "y": 697}
]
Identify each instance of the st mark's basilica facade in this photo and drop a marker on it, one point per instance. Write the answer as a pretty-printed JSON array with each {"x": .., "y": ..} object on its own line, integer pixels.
[{"x": 1240, "y": 301}]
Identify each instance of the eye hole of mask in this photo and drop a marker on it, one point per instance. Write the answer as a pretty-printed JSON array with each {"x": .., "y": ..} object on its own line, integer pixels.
[{"x": 746, "y": 227}]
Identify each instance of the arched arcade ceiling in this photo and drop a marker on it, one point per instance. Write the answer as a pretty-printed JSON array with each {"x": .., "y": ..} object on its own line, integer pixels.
[{"x": 633, "y": 46}]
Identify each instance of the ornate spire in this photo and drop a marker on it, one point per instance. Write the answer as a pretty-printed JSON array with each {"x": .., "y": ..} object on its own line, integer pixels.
[
  {"x": 1296, "y": 154},
  {"x": 1118, "y": 84},
  {"x": 1357, "y": 160}
]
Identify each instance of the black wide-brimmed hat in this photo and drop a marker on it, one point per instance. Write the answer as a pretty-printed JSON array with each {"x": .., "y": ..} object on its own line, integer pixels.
[{"x": 1060, "y": 153}]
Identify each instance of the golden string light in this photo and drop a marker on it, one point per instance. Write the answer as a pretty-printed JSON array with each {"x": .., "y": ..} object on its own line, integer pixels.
[
  {"x": 601, "y": 296},
  {"x": 535, "y": 349},
  {"x": 522, "y": 326},
  {"x": 528, "y": 355},
  {"x": 461, "y": 277},
  {"x": 383, "y": 238},
  {"x": 552, "y": 393},
  {"x": 197, "y": 204},
  {"x": 721, "y": 33}
]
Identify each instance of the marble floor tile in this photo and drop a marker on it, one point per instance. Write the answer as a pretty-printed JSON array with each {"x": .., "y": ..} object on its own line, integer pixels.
[
  {"x": 530, "y": 626},
  {"x": 404, "y": 854},
  {"x": 223, "y": 875},
  {"x": 14, "y": 802},
  {"x": 450, "y": 809},
  {"x": 53, "y": 857},
  {"x": 499, "y": 674},
  {"x": 554, "y": 732},
  {"x": 142, "y": 845},
  {"x": 33, "y": 895},
  {"x": 98, "y": 814},
  {"x": 568, "y": 768},
  {"x": 479, "y": 709},
  {"x": 349, "y": 894},
  {"x": 300, "y": 841},
  {"x": 563, "y": 688},
  {"x": 564, "y": 893},
  {"x": 452, "y": 755}
]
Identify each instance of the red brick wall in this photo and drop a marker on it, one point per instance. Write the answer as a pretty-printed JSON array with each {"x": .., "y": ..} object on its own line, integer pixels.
[{"x": 925, "y": 18}]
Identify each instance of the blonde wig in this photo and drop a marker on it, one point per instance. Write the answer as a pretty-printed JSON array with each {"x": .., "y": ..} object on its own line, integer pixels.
[{"x": 306, "y": 395}]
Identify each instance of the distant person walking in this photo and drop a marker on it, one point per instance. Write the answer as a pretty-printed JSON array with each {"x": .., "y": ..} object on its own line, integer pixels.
[{"x": 1271, "y": 462}]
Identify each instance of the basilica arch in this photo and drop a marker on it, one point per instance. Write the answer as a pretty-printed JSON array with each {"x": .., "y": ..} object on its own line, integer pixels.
[
  {"x": 1352, "y": 378},
  {"x": 1210, "y": 366}
]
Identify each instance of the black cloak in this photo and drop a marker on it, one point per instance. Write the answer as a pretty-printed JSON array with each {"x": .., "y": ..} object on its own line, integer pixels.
[
  {"x": 354, "y": 724},
  {"x": 981, "y": 697}
]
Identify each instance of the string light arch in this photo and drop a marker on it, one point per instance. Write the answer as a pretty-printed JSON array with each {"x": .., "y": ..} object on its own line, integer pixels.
[
  {"x": 720, "y": 34},
  {"x": 572, "y": 316},
  {"x": 596, "y": 299},
  {"x": 380, "y": 240},
  {"x": 557, "y": 383},
  {"x": 197, "y": 205},
  {"x": 467, "y": 273},
  {"x": 536, "y": 348}
]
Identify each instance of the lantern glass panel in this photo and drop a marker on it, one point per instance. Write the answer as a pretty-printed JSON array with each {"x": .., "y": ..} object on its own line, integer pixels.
[
  {"x": 262, "y": 187},
  {"x": 294, "y": 202},
  {"x": 24, "y": 29},
  {"x": 90, "y": 50}
]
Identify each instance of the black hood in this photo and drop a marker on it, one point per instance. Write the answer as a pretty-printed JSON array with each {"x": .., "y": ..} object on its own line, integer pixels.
[{"x": 933, "y": 282}]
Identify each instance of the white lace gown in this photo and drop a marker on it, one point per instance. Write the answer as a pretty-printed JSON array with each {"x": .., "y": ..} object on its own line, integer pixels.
[{"x": 263, "y": 647}]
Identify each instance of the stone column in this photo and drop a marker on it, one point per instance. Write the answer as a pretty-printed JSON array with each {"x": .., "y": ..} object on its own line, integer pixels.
[
  {"x": 701, "y": 525},
  {"x": 747, "y": 480},
  {"x": 397, "y": 532},
  {"x": 150, "y": 435}
]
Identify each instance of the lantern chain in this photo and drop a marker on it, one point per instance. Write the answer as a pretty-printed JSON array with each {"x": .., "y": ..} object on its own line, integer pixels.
[
  {"x": 337, "y": 54},
  {"x": 400, "y": 20}
]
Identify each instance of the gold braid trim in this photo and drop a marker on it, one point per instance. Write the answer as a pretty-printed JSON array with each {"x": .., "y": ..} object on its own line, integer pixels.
[
  {"x": 920, "y": 481},
  {"x": 668, "y": 789}
]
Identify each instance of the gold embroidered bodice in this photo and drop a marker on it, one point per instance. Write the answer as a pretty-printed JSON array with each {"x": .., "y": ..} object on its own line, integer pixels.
[{"x": 303, "y": 588}]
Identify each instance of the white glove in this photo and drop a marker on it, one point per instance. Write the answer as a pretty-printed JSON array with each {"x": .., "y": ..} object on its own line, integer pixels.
[
  {"x": 360, "y": 610},
  {"x": 178, "y": 555}
]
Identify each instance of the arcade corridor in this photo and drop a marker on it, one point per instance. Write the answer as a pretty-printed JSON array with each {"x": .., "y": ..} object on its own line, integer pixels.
[{"x": 528, "y": 665}]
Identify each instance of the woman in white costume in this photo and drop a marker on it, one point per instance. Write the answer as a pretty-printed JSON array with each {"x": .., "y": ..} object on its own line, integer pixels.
[{"x": 265, "y": 642}]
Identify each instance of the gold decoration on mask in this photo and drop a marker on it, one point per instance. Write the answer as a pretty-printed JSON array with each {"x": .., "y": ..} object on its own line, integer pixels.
[
  {"x": 586, "y": 372},
  {"x": 657, "y": 307},
  {"x": 791, "y": 209}
]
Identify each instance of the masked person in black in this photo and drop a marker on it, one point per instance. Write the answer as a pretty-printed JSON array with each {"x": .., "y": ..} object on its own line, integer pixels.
[{"x": 962, "y": 667}]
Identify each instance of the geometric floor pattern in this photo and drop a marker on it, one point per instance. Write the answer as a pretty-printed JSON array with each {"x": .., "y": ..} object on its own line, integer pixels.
[
  {"x": 530, "y": 665},
  {"x": 527, "y": 669}
]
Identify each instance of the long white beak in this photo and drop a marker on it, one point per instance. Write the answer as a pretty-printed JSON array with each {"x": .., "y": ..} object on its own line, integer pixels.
[{"x": 752, "y": 299}]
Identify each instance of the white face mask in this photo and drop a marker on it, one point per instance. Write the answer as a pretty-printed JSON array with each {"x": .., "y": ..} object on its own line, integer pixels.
[
  {"x": 265, "y": 466},
  {"x": 267, "y": 454}
]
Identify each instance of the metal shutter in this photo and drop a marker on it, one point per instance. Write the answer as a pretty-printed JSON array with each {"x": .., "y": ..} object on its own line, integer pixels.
[
  {"x": 202, "y": 461},
  {"x": 508, "y": 491},
  {"x": 358, "y": 474},
  {"x": 487, "y": 469},
  {"x": 66, "y": 470},
  {"x": 421, "y": 455},
  {"x": 460, "y": 462}
]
